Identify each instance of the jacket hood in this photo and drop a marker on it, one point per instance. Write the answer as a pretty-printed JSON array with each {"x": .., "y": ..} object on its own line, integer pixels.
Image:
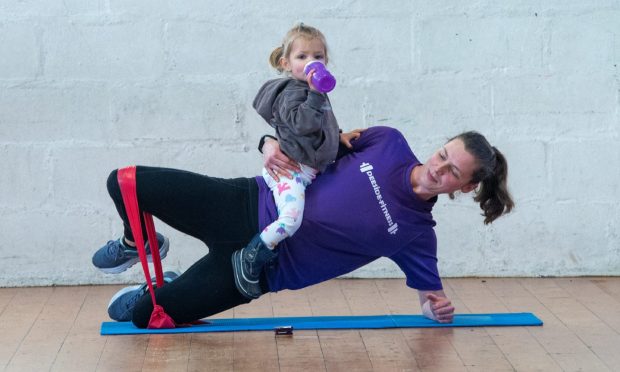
[{"x": 266, "y": 96}]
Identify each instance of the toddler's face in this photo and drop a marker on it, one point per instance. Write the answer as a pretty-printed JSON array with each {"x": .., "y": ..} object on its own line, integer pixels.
[{"x": 303, "y": 51}]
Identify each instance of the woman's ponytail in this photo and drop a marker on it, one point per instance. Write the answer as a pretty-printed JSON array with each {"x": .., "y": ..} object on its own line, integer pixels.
[
  {"x": 492, "y": 193},
  {"x": 491, "y": 176}
]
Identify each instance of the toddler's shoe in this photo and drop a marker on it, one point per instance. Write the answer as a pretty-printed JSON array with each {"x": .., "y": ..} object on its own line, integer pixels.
[{"x": 247, "y": 265}]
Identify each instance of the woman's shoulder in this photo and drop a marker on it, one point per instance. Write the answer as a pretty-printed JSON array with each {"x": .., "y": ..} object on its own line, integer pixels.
[
  {"x": 385, "y": 131},
  {"x": 384, "y": 134}
]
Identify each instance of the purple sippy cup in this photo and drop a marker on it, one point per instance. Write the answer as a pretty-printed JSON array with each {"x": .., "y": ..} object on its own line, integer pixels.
[{"x": 322, "y": 79}]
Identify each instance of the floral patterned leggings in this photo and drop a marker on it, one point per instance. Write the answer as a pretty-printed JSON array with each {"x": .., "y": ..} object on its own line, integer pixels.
[{"x": 290, "y": 197}]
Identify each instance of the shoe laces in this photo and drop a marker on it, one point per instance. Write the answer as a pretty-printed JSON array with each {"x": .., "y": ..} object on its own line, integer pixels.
[
  {"x": 115, "y": 250},
  {"x": 141, "y": 292},
  {"x": 132, "y": 301}
]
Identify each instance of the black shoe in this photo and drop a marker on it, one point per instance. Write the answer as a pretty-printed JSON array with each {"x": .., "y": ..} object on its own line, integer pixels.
[{"x": 247, "y": 265}]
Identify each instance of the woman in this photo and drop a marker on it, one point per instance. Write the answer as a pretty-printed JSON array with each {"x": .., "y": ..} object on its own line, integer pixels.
[{"x": 375, "y": 201}]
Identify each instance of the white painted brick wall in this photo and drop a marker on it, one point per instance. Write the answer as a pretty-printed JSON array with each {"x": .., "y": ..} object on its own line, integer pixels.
[
  {"x": 87, "y": 86},
  {"x": 20, "y": 52}
]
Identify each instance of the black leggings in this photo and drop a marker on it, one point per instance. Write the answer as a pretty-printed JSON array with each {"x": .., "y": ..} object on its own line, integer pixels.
[{"x": 223, "y": 213}]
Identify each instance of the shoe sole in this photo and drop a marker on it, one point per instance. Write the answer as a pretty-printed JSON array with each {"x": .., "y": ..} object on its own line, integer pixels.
[
  {"x": 238, "y": 273},
  {"x": 163, "y": 252}
]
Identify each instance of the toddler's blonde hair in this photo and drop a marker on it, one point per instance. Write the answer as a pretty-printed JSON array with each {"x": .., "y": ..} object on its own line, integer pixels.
[{"x": 284, "y": 50}]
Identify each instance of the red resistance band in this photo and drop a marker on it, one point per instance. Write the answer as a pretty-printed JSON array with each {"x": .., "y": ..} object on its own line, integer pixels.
[{"x": 127, "y": 183}]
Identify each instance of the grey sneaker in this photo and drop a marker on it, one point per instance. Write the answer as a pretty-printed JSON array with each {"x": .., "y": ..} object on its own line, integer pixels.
[
  {"x": 115, "y": 257},
  {"x": 122, "y": 303},
  {"x": 248, "y": 264}
]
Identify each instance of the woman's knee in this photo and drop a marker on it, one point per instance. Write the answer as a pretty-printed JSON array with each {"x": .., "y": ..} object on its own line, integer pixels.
[{"x": 112, "y": 184}]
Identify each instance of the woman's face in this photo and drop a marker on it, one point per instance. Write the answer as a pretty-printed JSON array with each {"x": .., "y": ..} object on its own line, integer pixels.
[
  {"x": 449, "y": 169},
  {"x": 303, "y": 51}
]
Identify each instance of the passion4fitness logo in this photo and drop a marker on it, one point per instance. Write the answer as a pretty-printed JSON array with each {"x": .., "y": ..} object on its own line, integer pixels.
[{"x": 367, "y": 168}]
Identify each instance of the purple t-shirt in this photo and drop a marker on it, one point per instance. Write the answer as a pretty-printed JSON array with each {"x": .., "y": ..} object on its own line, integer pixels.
[{"x": 361, "y": 208}]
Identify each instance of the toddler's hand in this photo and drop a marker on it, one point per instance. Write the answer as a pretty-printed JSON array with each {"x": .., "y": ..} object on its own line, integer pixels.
[
  {"x": 346, "y": 138},
  {"x": 309, "y": 80}
]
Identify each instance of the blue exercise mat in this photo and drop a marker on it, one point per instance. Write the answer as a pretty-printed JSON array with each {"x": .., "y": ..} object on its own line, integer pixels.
[{"x": 331, "y": 322}]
